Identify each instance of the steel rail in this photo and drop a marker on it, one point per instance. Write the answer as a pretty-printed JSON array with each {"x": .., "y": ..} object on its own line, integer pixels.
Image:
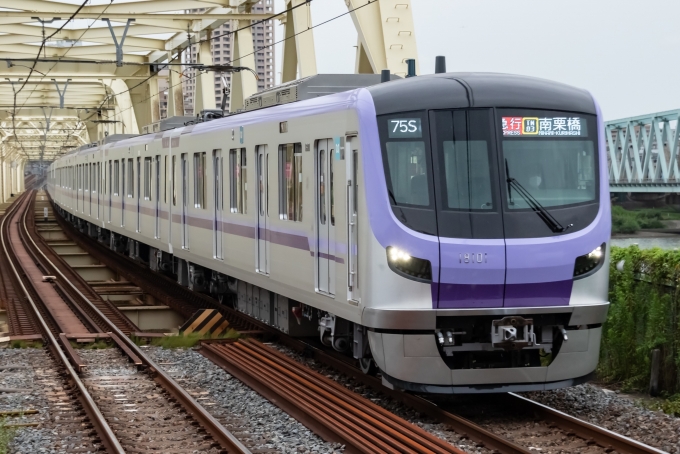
[
  {"x": 109, "y": 309},
  {"x": 208, "y": 421},
  {"x": 103, "y": 429},
  {"x": 323, "y": 405},
  {"x": 459, "y": 424},
  {"x": 601, "y": 436}
]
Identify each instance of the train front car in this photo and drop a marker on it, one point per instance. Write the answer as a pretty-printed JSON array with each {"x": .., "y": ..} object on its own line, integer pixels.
[{"x": 490, "y": 220}]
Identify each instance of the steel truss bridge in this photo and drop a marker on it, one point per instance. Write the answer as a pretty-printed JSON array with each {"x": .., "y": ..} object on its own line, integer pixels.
[
  {"x": 643, "y": 153},
  {"x": 74, "y": 71}
]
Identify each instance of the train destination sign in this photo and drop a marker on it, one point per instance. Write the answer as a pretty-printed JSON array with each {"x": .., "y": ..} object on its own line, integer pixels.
[
  {"x": 545, "y": 126},
  {"x": 405, "y": 128}
]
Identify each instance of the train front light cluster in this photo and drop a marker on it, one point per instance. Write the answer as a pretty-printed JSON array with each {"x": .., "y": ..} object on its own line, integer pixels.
[
  {"x": 410, "y": 267},
  {"x": 590, "y": 261}
]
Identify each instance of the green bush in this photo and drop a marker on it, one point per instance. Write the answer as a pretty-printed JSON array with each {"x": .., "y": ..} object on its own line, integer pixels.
[
  {"x": 627, "y": 225},
  {"x": 624, "y": 221},
  {"x": 670, "y": 405},
  {"x": 643, "y": 316}
]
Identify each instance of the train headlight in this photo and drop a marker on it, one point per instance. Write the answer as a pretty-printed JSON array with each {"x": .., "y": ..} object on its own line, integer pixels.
[
  {"x": 590, "y": 261},
  {"x": 410, "y": 267}
]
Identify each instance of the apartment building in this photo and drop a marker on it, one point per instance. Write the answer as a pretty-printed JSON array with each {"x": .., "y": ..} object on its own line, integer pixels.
[{"x": 222, "y": 46}]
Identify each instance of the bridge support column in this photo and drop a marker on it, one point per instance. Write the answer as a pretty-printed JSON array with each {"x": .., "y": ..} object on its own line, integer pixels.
[
  {"x": 299, "y": 55},
  {"x": 146, "y": 103},
  {"x": 175, "y": 96},
  {"x": 243, "y": 84},
  {"x": 3, "y": 164},
  {"x": 20, "y": 174},
  {"x": 386, "y": 36},
  {"x": 204, "y": 96},
  {"x": 124, "y": 110}
]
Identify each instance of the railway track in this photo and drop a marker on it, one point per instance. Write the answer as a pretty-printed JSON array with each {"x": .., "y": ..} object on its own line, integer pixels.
[
  {"x": 20, "y": 321},
  {"x": 79, "y": 290},
  {"x": 187, "y": 302},
  {"x": 185, "y": 423},
  {"x": 329, "y": 409},
  {"x": 10, "y": 244}
]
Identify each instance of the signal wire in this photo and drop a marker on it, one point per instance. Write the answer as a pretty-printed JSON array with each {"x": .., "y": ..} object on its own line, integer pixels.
[
  {"x": 370, "y": 2},
  {"x": 42, "y": 45}
]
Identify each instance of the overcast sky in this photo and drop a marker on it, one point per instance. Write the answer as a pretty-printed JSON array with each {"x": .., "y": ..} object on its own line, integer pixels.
[{"x": 623, "y": 51}]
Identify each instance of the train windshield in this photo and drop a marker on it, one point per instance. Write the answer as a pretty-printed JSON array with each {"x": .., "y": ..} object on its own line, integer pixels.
[
  {"x": 484, "y": 173},
  {"x": 551, "y": 156}
]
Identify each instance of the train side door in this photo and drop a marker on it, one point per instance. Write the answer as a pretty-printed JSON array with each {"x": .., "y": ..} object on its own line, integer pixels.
[
  {"x": 352, "y": 167},
  {"x": 90, "y": 185},
  {"x": 123, "y": 192},
  {"x": 185, "y": 197},
  {"x": 325, "y": 219},
  {"x": 158, "y": 197},
  {"x": 110, "y": 188},
  {"x": 262, "y": 230},
  {"x": 139, "y": 192},
  {"x": 218, "y": 202}
]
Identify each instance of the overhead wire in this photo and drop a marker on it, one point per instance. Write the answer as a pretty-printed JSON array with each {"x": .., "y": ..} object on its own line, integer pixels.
[
  {"x": 42, "y": 46},
  {"x": 208, "y": 39},
  {"x": 370, "y": 2}
]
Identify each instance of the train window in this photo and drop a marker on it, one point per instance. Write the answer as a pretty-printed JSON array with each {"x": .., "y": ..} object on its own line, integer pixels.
[
  {"x": 199, "y": 180},
  {"x": 408, "y": 171},
  {"x": 147, "y": 178},
  {"x": 290, "y": 181},
  {"x": 165, "y": 179},
  {"x": 564, "y": 175},
  {"x": 174, "y": 177},
  {"x": 322, "y": 187},
  {"x": 131, "y": 177},
  {"x": 116, "y": 177},
  {"x": 462, "y": 143},
  {"x": 238, "y": 180}
]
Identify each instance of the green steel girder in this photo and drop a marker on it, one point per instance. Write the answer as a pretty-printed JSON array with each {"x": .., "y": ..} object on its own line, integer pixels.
[{"x": 643, "y": 152}]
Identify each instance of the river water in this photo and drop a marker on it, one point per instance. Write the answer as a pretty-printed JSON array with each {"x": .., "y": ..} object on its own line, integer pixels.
[{"x": 666, "y": 242}]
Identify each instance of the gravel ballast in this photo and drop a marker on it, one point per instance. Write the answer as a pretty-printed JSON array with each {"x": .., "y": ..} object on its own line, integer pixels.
[
  {"x": 606, "y": 408},
  {"x": 58, "y": 414},
  {"x": 249, "y": 416}
]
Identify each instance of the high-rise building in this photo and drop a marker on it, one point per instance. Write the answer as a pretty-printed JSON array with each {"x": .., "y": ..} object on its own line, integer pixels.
[{"x": 221, "y": 47}]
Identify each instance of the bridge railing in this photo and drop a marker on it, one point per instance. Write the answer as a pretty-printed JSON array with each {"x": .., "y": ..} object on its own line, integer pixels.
[{"x": 643, "y": 153}]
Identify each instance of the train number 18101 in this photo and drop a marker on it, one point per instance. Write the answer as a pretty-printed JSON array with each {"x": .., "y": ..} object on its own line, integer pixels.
[{"x": 474, "y": 257}]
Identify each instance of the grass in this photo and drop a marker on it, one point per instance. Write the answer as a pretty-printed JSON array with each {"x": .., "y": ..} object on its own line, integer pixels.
[
  {"x": 6, "y": 435},
  {"x": 669, "y": 405},
  {"x": 181, "y": 341},
  {"x": 99, "y": 345},
  {"x": 25, "y": 344}
]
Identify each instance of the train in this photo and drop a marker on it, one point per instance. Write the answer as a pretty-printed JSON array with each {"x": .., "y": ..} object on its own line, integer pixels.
[{"x": 450, "y": 230}]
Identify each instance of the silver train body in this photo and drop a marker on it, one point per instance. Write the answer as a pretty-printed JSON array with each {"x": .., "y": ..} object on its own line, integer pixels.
[{"x": 286, "y": 209}]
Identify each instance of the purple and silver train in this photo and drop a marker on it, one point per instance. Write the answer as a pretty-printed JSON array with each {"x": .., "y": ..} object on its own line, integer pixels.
[{"x": 452, "y": 230}]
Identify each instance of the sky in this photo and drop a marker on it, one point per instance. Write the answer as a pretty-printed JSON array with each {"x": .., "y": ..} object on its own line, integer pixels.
[{"x": 622, "y": 51}]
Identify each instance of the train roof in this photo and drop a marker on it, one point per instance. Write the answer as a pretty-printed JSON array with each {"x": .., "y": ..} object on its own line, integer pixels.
[
  {"x": 436, "y": 91},
  {"x": 460, "y": 90}
]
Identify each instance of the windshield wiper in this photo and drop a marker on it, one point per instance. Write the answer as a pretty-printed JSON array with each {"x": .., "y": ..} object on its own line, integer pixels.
[{"x": 539, "y": 209}]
